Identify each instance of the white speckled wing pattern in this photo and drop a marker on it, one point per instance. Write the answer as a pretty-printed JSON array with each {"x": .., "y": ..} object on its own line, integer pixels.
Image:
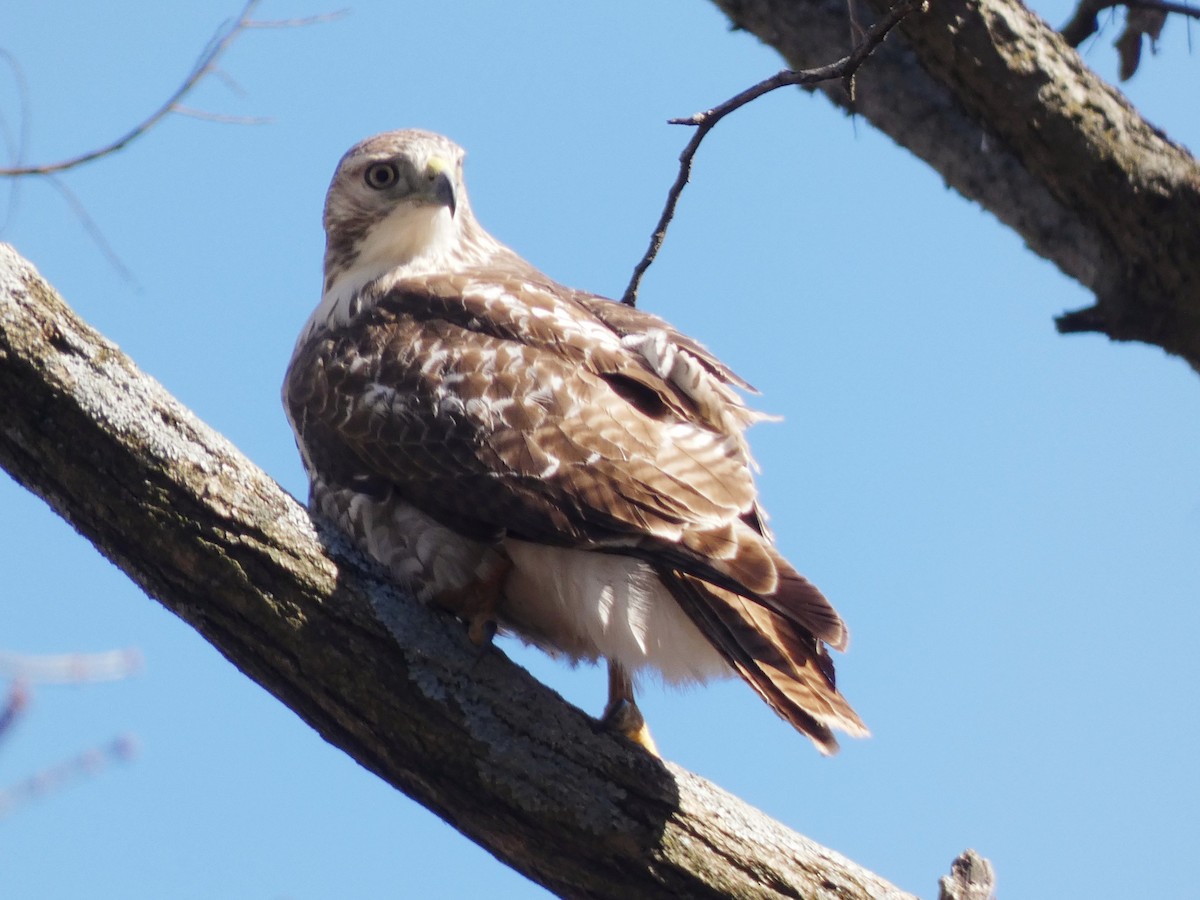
[{"x": 455, "y": 417}]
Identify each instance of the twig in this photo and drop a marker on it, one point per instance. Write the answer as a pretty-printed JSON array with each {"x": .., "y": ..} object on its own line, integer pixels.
[
  {"x": 14, "y": 705},
  {"x": 300, "y": 22},
  {"x": 1179, "y": 9},
  {"x": 88, "y": 763},
  {"x": 1084, "y": 22},
  {"x": 205, "y": 65},
  {"x": 224, "y": 119},
  {"x": 70, "y": 668},
  {"x": 92, "y": 229},
  {"x": 705, "y": 121},
  {"x": 15, "y": 144}
]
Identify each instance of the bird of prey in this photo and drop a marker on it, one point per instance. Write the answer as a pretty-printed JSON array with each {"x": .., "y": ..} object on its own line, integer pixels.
[{"x": 569, "y": 468}]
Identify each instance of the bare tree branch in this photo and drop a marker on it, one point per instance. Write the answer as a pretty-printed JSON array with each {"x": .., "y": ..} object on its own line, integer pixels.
[
  {"x": 844, "y": 69},
  {"x": 205, "y": 65},
  {"x": 1009, "y": 115},
  {"x": 70, "y": 668},
  {"x": 397, "y": 686},
  {"x": 52, "y": 778},
  {"x": 1179, "y": 9},
  {"x": 222, "y": 118},
  {"x": 91, "y": 228},
  {"x": 1084, "y": 22},
  {"x": 14, "y": 704}
]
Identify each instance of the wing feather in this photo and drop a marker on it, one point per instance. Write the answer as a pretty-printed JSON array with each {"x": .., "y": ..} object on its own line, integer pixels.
[{"x": 497, "y": 405}]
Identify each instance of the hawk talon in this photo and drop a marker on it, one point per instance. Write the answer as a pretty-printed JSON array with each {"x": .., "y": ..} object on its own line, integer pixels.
[
  {"x": 622, "y": 714},
  {"x": 481, "y": 630},
  {"x": 476, "y": 603},
  {"x": 627, "y": 720}
]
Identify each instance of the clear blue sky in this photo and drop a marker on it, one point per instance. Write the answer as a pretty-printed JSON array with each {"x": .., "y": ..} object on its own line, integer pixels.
[{"x": 1008, "y": 519}]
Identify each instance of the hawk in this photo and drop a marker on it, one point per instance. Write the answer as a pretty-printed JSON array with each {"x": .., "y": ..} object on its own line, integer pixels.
[{"x": 544, "y": 460}]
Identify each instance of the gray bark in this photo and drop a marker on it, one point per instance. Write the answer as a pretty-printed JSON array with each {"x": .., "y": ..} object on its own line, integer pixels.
[
  {"x": 997, "y": 102},
  {"x": 398, "y": 687},
  {"x": 971, "y": 878}
]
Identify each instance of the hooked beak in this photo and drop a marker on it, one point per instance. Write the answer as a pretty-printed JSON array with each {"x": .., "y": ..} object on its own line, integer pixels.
[{"x": 441, "y": 184}]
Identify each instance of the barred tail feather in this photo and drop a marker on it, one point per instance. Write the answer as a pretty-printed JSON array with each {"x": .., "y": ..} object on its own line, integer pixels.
[
  {"x": 798, "y": 600},
  {"x": 757, "y": 570},
  {"x": 780, "y": 660}
]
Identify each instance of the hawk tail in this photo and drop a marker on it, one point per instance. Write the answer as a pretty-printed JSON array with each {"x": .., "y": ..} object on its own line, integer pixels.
[
  {"x": 740, "y": 558},
  {"x": 782, "y": 661}
]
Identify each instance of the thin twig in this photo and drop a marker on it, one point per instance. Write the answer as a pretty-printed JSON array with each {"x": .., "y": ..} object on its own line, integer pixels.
[
  {"x": 224, "y": 119},
  {"x": 15, "y": 144},
  {"x": 14, "y": 705},
  {"x": 92, "y": 229},
  {"x": 70, "y": 668},
  {"x": 205, "y": 65},
  {"x": 85, "y": 765},
  {"x": 300, "y": 22},
  {"x": 705, "y": 121},
  {"x": 1179, "y": 9}
]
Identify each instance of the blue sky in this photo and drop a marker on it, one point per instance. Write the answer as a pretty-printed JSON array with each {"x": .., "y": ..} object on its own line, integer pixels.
[{"x": 1007, "y": 518}]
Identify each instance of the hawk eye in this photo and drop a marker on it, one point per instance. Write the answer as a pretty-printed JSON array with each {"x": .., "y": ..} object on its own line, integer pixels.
[{"x": 381, "y": 175}]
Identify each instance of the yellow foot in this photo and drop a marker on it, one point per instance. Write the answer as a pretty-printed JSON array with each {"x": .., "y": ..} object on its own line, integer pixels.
[
  {"x": 626, "y": 719},
  {"x": 622, "y": 714}
]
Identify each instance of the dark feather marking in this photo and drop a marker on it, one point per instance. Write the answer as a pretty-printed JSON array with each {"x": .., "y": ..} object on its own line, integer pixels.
[{"x": 643, "y": 398}]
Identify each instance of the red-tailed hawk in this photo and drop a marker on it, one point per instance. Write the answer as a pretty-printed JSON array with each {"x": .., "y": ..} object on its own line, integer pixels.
[{"x": 521, "y": 452}]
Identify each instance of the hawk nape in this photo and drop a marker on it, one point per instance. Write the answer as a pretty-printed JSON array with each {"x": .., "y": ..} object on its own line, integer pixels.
[{"x": 526, "y": 454}]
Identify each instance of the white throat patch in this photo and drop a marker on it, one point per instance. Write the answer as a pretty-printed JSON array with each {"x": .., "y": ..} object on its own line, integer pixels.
[{"x": 411, "y": 240}]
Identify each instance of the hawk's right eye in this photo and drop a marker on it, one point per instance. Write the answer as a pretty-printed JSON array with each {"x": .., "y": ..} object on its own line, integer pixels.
[{"x": 381, "y": 175}]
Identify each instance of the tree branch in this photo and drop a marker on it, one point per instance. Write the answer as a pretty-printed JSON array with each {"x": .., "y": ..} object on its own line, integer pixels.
[
  {"x": 204, "y": 66},
  {"x": 704, "y": 122},
  {"x": 1083, "y": 22},
  {"x": 398, "y": 687},
  {"x": 998, "y": 104},
  {"x": 971, "y": 878}
]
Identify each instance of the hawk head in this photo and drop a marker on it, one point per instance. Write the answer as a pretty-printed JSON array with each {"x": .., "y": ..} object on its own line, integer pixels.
[{"x": 397, "y": 201}]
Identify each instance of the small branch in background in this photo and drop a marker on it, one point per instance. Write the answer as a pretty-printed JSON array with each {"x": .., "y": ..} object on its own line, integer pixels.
[
  {"x": 299, "y": 22},
  {"x": 1143, "y": 17},
  {"x": 62, "y": 668},
  {"x": 70, "y": 668},
  {"x": 15, "y": 137},
  {"x": 86, "y": 764},
  {"x": 206, "y": 116},
  {"x": 705, "y": 121},
  {"x": 90, "y": 228},
  {"x": 14, "y": 705},
  {"x": 1140, "y": 22},
  {"x": 205, "y": 65}
]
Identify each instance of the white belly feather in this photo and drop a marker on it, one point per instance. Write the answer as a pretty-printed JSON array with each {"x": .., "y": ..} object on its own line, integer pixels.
[
  {"x": 583, "y": 604},
  {"x": 589, "y": 605}
]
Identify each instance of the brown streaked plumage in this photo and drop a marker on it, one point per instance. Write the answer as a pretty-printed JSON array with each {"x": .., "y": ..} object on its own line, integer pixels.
[{"x": 574, "y": 466}]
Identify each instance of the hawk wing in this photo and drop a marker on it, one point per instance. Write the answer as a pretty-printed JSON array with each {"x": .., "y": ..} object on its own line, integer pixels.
[{"x": 513, "y": 406}]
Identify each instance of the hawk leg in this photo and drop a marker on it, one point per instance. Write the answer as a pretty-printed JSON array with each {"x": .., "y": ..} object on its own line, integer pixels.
[
  {"x": 622, "y": 714},
  {"x": 476, "y": 602}
]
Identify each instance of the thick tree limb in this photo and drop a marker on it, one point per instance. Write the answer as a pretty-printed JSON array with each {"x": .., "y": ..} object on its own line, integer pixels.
[
  {"x": 399, "y": 688},
  {"x": 994, "y": 100}
]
